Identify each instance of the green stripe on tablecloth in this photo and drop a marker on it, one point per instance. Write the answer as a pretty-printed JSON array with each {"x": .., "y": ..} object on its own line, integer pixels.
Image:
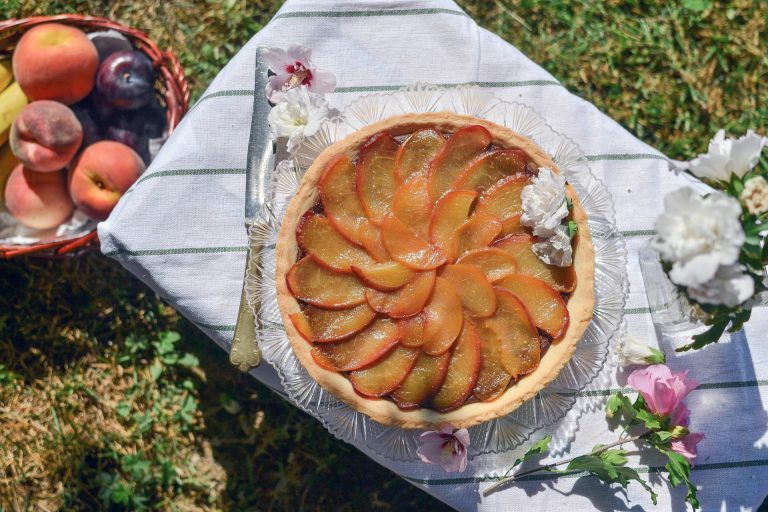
[
  {"x": 710, "y": 385},
  {"x": 500, "y": 85},
  {"x": 626, "y": 156},
  {"x": 548, "y": 476},
  {"x": 191, "y": 172},
  {"x": 226, "y": 93},
  {"x": 179, "y": 250},
  {"x": 367, "y": 14},
  {"x": 216, "y": 327},
  {"x": 638, "y": 232}
]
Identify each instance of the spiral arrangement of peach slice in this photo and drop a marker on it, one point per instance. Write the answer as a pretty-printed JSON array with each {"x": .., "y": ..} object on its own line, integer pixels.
[{"x": 417, "y": 279}]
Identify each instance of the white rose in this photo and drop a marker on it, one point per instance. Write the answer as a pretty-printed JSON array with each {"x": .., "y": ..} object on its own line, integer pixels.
[
  {"x": 730, "y": 287},
  {"x": 755, "y": 195},
  {"x": 544, "y": 205},
  {"x": 555, "y": 250},
  {"x": 300, "y": 114},
  {"x": 728, "y": 156},
  {"x": 698, "y": 234},
  {"x": 634, "y": 353}
]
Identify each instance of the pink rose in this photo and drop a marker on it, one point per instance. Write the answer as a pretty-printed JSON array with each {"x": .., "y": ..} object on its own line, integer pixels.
[
  {"x": 662, "y": 390},
  {"x": 686, "y": 446},
  {"x": 446, "y": 447},
  {"x": 292, "y": 68}
]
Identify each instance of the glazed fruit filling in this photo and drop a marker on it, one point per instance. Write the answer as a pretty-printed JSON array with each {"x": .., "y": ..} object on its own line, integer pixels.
[{"x": 417, "y": 279}]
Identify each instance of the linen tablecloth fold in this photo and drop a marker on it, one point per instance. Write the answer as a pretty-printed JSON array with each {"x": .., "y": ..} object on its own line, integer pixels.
[{"x": 180, "y": 230}]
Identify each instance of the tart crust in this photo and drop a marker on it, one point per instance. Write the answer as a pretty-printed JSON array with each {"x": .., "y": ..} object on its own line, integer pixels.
[{"x": 384, "y": 411}]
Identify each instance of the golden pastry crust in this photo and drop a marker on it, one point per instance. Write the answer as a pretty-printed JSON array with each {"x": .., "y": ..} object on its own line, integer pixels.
[{"x": 384, "y": 411}]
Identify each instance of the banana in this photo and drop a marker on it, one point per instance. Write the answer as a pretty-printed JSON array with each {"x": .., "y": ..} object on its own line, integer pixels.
[
  {"x": 12, "y": 100},
  {"x": 6, "y": 74},
  {"x": 8, "y": 162}
]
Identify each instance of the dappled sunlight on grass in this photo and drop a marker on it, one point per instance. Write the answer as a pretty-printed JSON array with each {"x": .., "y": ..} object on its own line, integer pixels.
[{"x": 108, "y": 398}]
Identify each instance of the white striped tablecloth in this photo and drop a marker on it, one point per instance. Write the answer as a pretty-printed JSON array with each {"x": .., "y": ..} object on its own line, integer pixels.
[{"x": 180, "y": 230}]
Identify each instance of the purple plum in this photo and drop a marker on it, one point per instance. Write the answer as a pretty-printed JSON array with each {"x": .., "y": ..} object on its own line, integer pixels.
[
  {"x": 126, "y": 79},
  {"x": 109, "y": 42},
  {"x": 138, "y": 142},
  {"x": 91, "y": 131},
  {"x": 148, "y": 120}
]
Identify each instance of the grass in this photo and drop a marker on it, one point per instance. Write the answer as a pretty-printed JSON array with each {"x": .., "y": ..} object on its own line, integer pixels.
[{"x": 109, "y": 399}]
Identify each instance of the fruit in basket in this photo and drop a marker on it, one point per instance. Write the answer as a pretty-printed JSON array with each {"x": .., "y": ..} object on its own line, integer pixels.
[
  {"x": 136, "y": 142},
  {"x": 6, "y": 74},
  {"x": 12, "y": 100},
  {"x": 8, "y": 163},
  {"x": 109, "y": 42},
  {"x": 55, "y": 62},
  {"x": 100, "y": 176},
  {"x": 39, "y": 200},
  {"x": 126, "y": 79},
  {"x": 46, "y": 135},
  {"x": 91, "y": 131}
]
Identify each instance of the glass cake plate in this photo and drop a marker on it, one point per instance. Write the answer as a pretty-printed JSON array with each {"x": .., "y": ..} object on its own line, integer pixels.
[{"x": 554, "y": 401}]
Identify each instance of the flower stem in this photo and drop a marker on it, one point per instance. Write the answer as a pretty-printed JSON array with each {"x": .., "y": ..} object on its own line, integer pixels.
[{"x": 549, "y": 467}]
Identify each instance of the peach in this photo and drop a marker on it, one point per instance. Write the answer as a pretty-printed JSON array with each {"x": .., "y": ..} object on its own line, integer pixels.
[
  {"x": 55, "y": 62},
  {"x": 101, "y": 175},
  {"x": 46, "y": 136},
  {"x": 38, "y": 200}
]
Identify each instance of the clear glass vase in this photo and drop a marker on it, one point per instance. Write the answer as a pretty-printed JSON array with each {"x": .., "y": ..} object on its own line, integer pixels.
[{"x": 676, "y": 320}]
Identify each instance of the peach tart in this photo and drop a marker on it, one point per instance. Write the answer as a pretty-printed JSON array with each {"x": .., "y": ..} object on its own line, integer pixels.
[{"x": 408, "y": 284}]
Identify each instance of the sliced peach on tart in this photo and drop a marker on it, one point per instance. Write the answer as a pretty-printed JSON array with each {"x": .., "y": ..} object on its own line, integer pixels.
[
  {"x": 423, "y": 382},
  {"x": 519, "y": 343},
  {"x": 386, "y": 374},
  {"x": 545, "y": 305},
  {"x": 474, "y": 289},
  {"x": 315, "y": 234},
  {"x": 520, "y": 247},
  {"x": 376, "y": 183},
  {"x": 503, "y": 199},
  {"x": 413, "y": 206},
  {"x": 459, "y": 151},
  {"x": 491, "y": 168},
  {"x": 493, "y": 378},
  {"x": 406, "y": 301},
  {"x": 360, "y": 350},
  {"x": 314, "y": 284},
  {"x": 338, "y": 194},
  {"x": 412, "y": 331},
  {"x": 385, "y": 277},
  {"x": 478, "y": 232},
  {"x": 416, "y": 153},
  {"x": 443, "y": 318},
  {"x": 494, "y": 263},
  {"x": 325, "y": 325},
  {"x": 513, "y": 226},
  {"x": 463, "y": 370},
  {"x": 370, "y": 238},
  {"x": 405, "y": 246},
  {"x": 451, "y": 211}
]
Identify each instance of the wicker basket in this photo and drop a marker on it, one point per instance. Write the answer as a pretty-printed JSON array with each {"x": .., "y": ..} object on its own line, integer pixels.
[{"x": 171, "y": 85}]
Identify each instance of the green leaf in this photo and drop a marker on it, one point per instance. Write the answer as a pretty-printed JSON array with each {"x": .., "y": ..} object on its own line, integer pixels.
[
  {"x": 619, "y": 402},
  {"x": 123, "y": 409},
  {"x": 188, "y": 361},
  {"x": 156, "y": 369},
  {"x": 679, "y": 474},
  {"x": 656, "y": 357},
  {"x": 614, "y": 457},
  {"x": 573, "y": 228},
  {"x": 649, "y": 419},
  {"x": 539, "y": 447},
  {"x": 661, "y": 437},
  {"x": 711, "y": 335},
  {"x": 696, "y": 5}
]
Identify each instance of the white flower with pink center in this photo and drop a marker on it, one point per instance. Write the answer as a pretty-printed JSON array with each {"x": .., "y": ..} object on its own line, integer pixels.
[{"x": 293, "y": 68}]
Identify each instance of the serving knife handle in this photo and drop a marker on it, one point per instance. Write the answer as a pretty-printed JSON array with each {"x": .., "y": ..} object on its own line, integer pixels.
[{"x": 245, "y": 353}]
